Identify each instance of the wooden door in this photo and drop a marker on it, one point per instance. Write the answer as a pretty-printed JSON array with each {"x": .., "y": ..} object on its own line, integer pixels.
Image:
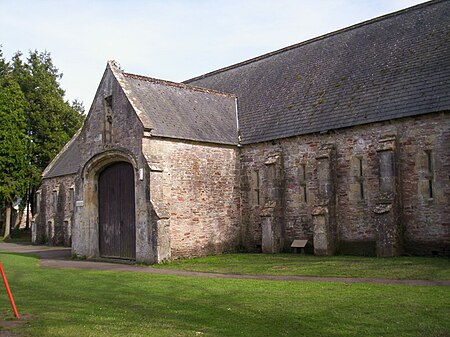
[{"x": 117, "y": 229}]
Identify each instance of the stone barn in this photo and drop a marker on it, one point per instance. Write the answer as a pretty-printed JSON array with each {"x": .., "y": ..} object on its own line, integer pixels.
[{"x": 342, "y": 140}]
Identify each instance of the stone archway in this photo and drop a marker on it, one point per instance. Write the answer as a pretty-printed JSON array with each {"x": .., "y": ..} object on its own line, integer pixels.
[{"x": 87, "y": 237}]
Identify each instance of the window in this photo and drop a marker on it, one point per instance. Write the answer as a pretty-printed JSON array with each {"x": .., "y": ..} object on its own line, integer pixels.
[
  {"x": 71, "y": 198},
  {"x": 358, "y": 192},
  {"x": 430, "y": 173},
  {"x": 303, "y": 182},
  {"x": 50, "y": 230},
  {"x": 54, "y": 201},
  {"x": 38, "y": 202},
  {"x": 68, "y": 232},
  {"x": 255, "y": 188},
  {"x": 108, "y": 119},
  {"x": 361, "y": 179}
]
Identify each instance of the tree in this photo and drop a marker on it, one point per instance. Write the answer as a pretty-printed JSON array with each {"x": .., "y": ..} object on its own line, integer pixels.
[
  {"x": 52, "y": 121},
  {"x": 36, "y": 122},
  {"x": 14, "y": 168}
]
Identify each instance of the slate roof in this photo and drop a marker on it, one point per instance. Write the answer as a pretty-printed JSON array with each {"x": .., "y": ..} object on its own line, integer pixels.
[
  {"x": 176, "y": 110},
  {"x": 390, "y": 67},
  {"x": 184, "y": 111},
  {"x": 67, "y": 161}
]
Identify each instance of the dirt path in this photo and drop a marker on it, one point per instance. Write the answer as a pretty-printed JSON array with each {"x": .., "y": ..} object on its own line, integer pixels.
[
  {"x": 9, "y": 322},
  {"x": 52, "y": 257}
]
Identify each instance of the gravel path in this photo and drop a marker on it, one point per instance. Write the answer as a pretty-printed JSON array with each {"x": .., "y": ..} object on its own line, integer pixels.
[{"x": 57, "y": 257}]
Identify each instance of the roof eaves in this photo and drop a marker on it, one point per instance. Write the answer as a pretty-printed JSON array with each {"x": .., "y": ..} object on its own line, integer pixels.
[
  {"x": 156, "y": 135},
  {"x": 59, "y": 175}
]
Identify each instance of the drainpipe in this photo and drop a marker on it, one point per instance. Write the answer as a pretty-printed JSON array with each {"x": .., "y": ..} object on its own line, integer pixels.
[{"x": 237, "y": 121}]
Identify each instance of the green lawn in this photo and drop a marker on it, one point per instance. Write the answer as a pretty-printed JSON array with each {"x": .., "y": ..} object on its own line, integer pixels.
[
  {"x": 68, "y": 302},
  {"x": 418, "y": 268}
]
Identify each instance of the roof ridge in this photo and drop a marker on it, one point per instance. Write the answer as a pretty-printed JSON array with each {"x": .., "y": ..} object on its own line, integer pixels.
[
  {"x": 315, "y": 39},
  {"x": 177, "y": 85}
]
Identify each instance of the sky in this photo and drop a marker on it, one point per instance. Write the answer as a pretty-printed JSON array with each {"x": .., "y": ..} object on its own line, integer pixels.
[{"x": 173, "y": 39}]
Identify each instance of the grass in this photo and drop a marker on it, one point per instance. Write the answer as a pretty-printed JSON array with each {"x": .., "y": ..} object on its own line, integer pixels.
[
  {"x": 419, "y": 268},
  {"x": 69, "y": 302}
]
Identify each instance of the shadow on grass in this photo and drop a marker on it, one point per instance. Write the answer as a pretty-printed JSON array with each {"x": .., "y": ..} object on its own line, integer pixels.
[
  {"x": 34, "y": 256},
  {"x": 37, "y": 251}
]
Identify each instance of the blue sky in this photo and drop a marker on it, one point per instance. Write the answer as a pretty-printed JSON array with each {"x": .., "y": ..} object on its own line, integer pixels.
[{"x": 172, "y": 40}]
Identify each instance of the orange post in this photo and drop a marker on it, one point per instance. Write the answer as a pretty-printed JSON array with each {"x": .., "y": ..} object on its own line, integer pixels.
[{"x": 11, "y": 299}]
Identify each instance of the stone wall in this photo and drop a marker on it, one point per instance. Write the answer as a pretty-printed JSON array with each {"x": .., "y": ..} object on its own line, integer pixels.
[
  {"x": 187, "y": 193},
  {"x": 381, "y": 175},
  {"x": 55, "y": 203},
  {"x": 195, "y": 189},
  {"x": 380, "y": 189},
  {"x": 112, "y": 132}
]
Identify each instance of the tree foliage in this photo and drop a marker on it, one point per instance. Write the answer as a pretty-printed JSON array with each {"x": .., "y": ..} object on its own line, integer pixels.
[
  {"x": 14, "y": 168},
  {"x": 35, "y": 120},
  {"x": 52, "y": 121}
]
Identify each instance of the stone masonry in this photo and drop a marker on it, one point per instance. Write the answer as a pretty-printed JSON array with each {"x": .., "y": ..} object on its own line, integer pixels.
[
  {"x": 198, "y": 186},
  {"x": 364, "y": 198},
  {"x": 347, "y": 148},
  {"x": 56, "y": 204}
]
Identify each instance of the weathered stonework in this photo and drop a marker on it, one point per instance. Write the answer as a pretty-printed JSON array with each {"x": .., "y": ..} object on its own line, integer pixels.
[
  {"x": 388, "y": 214},
  {"x": 52, "y": 224},
  {"x": 379, "y": 189},
  {"x": 323, "y": 214},
  {"x": 196, "y": 186},
  {"x": 186, "y": 192},
  {"x": 272, "y": 222},
  {"x": 349, "y": 151},
  {"x": 111, "y": 133}
]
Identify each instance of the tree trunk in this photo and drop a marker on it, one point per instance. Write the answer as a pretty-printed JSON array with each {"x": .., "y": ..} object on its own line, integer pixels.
[
  {"x": 7, "y": 220},
  {"x": 27, "y": 222},
  {"x": 29, "y": 198}
]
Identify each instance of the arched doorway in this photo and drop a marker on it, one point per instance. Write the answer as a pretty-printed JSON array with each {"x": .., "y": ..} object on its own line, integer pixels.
[{"x": 116, "y": 211}]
